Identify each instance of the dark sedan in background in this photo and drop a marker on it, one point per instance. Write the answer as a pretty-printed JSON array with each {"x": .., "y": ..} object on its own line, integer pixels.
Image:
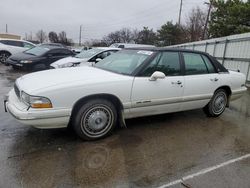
[{"x": 38, "y": 58}]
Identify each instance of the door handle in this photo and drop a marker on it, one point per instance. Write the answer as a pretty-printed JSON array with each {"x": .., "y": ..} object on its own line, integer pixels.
[
  {"x": 214, "y": 79},
  {"x": 178, "y": 82}
]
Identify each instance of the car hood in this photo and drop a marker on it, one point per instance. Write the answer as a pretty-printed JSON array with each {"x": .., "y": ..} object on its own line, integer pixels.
[
  {"x": 67, "y": 60},
  {"x": 22, "y": 56},
  {"x": 68, "y": 77}
]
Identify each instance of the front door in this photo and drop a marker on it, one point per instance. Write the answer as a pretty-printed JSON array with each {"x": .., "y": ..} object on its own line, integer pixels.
[{"x": 161, "y": 95}]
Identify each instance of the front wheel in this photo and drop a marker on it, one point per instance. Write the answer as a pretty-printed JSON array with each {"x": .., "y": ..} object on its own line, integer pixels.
[
  {"x": 4, "y": 56},
  {"x": 39, "y": 67},
  {"x": 95, "y": 119},
  {"x": 217, "y": 104}
]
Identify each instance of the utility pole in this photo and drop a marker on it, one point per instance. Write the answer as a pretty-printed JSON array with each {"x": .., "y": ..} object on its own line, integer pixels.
[
  {"x": 80, "y": 35},
  {"x": 6, "y": 28},
  {"x": 179, "y": 21},
  {"x": 208, "y": 15}
]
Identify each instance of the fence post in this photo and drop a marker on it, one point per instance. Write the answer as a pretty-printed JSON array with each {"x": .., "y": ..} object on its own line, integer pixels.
[
  {"x": 224, "y": 52},
  {"x": 215, "y": 43},
  {"x": 248, "y": 71},
  {"x": 193, "y": 46},
  {"x": 206, "y": 46}
]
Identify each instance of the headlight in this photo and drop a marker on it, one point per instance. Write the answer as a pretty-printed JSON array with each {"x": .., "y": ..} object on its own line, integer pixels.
[
  {"x": 25, "y": 61},
  {"x": 36, "y": 101},
  {"x": 70, "y": 64},
  {"x": 66, "y": 65}
]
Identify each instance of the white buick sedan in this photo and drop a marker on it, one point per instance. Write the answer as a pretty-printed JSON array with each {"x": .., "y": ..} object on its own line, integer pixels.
[{"x": 130, "y": 83}]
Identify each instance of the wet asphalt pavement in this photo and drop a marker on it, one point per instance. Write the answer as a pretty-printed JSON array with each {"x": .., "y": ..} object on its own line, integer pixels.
[{"x": 150, "y": 152}]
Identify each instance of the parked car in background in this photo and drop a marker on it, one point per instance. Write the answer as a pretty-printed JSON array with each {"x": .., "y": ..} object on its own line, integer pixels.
[
  {"x": 38, "y": 58},
  {"x": 86, "y": 57},
  {"x": 53, "y": 44},
  {"x": 78, "y": 50},
  {"x": 130, "y": 83},
  {"x": 9, "y": 47},
  {"x": 128, "y": 45}
]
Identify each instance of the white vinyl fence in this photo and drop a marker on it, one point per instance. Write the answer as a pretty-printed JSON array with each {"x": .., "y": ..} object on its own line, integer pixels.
[{"x": 232, "y": 51}]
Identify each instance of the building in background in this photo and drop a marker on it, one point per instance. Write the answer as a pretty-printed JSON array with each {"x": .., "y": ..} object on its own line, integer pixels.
[{"x": 9, "y": 36}]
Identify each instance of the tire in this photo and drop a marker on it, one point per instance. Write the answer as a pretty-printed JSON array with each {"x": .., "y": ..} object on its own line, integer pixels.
[
  {"x": 95, "y": 119},
  {"x": 4, "y": 56},
  {"x": 39, "y": 67},
  {"x": 217, "y": 104}
]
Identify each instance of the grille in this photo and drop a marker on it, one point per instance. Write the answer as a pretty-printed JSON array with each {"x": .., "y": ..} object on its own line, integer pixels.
[{"x": 17, "y": 91}]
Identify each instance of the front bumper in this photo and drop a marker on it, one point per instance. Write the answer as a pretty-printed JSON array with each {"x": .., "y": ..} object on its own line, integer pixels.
[
  {"x": 14, "y": 63},
  {"x": 39, "y": 118},
  {"x": 18, "y": 65}
]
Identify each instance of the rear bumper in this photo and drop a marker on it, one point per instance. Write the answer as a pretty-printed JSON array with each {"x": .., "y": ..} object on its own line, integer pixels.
[
  {"x": 39, "y": 118},
  {"x": 236, "y": 94}
]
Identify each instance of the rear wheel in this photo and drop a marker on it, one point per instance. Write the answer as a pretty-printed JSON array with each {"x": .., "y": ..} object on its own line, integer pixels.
[
  {"x": 95, "y": 119},
  {"x": 217, "y": 104},
  {"x": 4, "y": 56}
]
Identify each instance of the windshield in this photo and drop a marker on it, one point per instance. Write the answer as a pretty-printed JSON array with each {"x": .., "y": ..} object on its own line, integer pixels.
[
  {"x": 115, "y": 45},
  {"x": 37, "y": 51},
  {"x": 124, "y": 62},
  {"x": 88, "y": 53}
]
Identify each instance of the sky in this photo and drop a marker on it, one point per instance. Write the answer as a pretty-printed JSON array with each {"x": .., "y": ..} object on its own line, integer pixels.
[{"x": 97, "y": 17}]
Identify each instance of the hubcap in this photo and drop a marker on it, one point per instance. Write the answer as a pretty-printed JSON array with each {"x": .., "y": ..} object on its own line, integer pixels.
[
  {"x": 97, "y": 120},
  {"x": 3, "y": 57},
  {"x": 219, "y": 103}
]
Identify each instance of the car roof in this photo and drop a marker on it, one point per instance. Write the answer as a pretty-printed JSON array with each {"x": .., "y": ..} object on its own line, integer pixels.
[
  {"x": 16, "y": 40},
  {"x": 164, "y": 49},
  {"x": 108, "y": 48},
  {"x": 52, "y": 47}
]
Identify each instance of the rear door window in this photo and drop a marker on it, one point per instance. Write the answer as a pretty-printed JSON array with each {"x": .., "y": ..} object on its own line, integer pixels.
[
  {"x": 194, "y": 64},
  {"x": 60, "y": 52},
  {"x": 15, "y": 43},
  {"x": 4, "y": 42}
]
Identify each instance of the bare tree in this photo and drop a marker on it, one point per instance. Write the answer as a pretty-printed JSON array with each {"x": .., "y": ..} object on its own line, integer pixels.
[
  {"x": 195, "y": 24},
  {"x": 126, "y": 35},
  {"x": 41, "y": 36},
  {"x": 63, "y": 37},
  {"x": 113, "y": 37}
]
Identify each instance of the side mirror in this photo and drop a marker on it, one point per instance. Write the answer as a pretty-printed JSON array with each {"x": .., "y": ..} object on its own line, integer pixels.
[
  {"x": 157, "y": 75},
  {"x": 98, "y": 59}
]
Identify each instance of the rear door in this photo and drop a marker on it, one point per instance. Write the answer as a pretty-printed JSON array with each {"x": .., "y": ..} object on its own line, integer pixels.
[
  {"x": 201, "y": 80},
  {"x": 57, "y": 54},
  {"x": 15, "y": 46},
  {"x": 162, "y": 95}
]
